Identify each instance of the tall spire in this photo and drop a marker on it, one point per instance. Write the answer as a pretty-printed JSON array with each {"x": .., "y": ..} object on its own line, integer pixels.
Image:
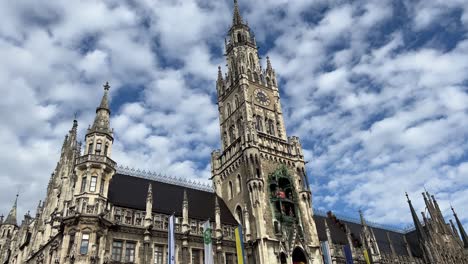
[
  {"x": 101, "y": 121},
  {"x": 11, "y": 218},
  {"x": 417, "y": 224},
  {"x": 236, "y": 19},
  {"x": 461, "y": 229}
]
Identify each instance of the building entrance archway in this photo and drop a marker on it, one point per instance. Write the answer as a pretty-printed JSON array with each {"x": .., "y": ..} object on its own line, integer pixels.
[
  {"x": 298, "y": 256},
  {"x": 283, "y": 259}
]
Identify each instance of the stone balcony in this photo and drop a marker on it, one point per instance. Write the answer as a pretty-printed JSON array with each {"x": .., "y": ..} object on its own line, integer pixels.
[{"x": 96, "y": 159}]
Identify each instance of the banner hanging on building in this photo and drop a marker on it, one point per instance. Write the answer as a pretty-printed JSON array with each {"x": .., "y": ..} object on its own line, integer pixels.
[
  {"x": 348, "y": 254},
  {"x": 239, "y": 245},
  {"x": 207, "y": 242},
  {"x": 171, "y": 241},
  {"x": 366, "y": 256},
  {"x": 326, "y": 252}
]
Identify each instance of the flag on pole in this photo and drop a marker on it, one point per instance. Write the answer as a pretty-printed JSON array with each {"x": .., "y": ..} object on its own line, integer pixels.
[
  {"x": 171, "y": 241},
  {"x": 207, "y": 242},
  {"x": 326, "y": 252},
  {"x": 366, "y": 256},
  {"x": 348, "y": 254},
  {"x": 239, "y": 245}
]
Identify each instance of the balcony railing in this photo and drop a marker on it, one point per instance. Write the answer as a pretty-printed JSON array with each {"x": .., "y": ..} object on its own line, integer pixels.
[{"x": 96, "y": 158}]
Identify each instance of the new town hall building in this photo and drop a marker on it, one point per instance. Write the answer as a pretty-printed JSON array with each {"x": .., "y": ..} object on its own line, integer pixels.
[{"x": 98, "y": 212}]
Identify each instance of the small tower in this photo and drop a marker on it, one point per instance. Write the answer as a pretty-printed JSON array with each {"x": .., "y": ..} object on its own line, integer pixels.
[
  {"x": 8, "y": 230},
  {"x": 95, "y": 168},
  {"x": 370, "y": 241},
  {"x": 259, "y": 171},
  {"x": 93, "y": 172}
]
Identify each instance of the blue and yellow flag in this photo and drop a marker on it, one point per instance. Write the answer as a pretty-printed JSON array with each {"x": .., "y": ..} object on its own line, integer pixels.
[{"x": 239, "y": 245}]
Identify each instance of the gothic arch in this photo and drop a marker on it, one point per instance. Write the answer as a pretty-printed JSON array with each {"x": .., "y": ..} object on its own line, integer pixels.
[
  {"x": 239, "y": 183},
  {"x": 239, "y": 215},
  {"x": 283, "y": 259},
  {"x": 230, "y": 190},
  {"x": 299, "y": 256}
]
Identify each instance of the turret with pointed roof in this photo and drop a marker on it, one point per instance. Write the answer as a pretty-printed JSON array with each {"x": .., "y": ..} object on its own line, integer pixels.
[
  {"x": 101, "y": 122},
  {"x": 11, "y": 218}
]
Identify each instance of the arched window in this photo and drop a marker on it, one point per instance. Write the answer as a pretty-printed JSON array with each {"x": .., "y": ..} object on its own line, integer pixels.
[
  {"x": 239, "y": 215},
  {"x": 255, "y": 77},
  {"x": 239, "y": 183},
  {"x": 230, "y": 190},
  {"x": 268, "y": 82},
  {"x": 239, "y": 37},
  {"x": 258, "y": 123},
  {"x": 236, "y": 101}
]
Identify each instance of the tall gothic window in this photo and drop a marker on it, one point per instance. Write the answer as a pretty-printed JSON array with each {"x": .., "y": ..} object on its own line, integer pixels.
[
  {"x": 101, "y": 187},
  {"x": 239, "y": 183},
  {"x": 84, "y": 244},
  {"x": 130, "y": 252},
  {"x": 106, "y": 149},
  {"x": 83, "y": 184},
  {"x": 230, "y": 190},
  {"x": 258, "y": 123},
  {"x": 236, "y": 101},
  {"x": 92, "y": 185},
  {"x": 158, "y": 254},
  {"x": 90, "y": 148},
  {"x": 271, "y": 127},
  {"x": 98, "y": 148},
  {"x": 117, "y": 250},
  {"x": 239, "y": 215}
]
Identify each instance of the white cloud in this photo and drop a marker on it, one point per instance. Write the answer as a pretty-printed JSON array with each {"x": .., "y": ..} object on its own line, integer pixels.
[{"x": 377, "y": 115}]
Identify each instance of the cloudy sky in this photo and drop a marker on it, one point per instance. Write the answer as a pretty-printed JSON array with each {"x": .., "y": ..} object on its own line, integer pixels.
[{"x": 377, "y": 91}]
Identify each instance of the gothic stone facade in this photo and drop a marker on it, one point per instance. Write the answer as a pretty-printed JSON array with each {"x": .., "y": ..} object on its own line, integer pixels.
[{"x": 97, "y": 212}]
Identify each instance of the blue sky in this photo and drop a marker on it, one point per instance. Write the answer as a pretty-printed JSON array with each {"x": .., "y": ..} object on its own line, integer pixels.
[{"x": 376, "y": 90}]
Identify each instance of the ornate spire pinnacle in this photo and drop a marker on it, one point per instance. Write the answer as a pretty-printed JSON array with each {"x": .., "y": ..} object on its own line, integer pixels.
[
  {"x": 236, "y": 19},
  {"x": 150, "y": 193},
  {"x": 105, "y": 100},
  {"x": 417, "y": 224},
  {"x": 461, "y": 229},
  {"x": 220, "y": 74},
  {"x": 149, "y": 207},
  {"x": 11, "y": 218},
  {"x": 269, "y": 68},
  {"x": 101, "y": 121}
]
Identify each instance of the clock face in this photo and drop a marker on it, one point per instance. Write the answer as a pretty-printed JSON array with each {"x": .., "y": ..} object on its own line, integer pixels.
[{"x": 262, "y": 97}]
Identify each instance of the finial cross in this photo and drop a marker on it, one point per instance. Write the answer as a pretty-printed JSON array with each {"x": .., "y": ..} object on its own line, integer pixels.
[{"x": 106, "y": 86}]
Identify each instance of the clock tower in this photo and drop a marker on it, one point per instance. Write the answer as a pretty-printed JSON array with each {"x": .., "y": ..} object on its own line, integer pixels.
[{"x": 260, "y": 171}]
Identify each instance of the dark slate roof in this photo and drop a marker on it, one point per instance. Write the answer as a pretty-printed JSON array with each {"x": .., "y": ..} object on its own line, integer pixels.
[
  {"x": 339, "y": 235},
  {"x": 131, "y": 192}
]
